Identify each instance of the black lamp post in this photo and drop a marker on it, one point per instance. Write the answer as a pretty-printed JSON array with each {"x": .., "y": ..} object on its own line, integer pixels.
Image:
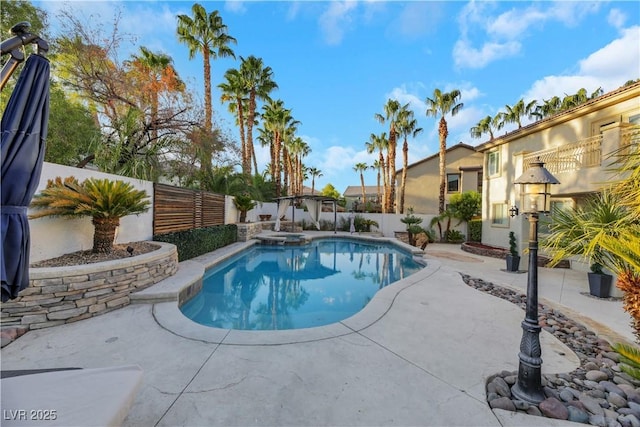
[{"x": 535, "y": 199}]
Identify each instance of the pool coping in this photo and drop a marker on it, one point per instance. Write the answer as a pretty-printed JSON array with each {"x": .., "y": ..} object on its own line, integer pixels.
[{"x": 166, "y": 299}]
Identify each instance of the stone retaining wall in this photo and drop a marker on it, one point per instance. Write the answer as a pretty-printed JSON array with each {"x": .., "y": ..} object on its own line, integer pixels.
[{"x": 61, "y": 295}]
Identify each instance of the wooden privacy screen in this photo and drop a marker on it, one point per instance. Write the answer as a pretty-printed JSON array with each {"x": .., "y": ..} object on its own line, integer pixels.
[{"x": 178, "y": 209}]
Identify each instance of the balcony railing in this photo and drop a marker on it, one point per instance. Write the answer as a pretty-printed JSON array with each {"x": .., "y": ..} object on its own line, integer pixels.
[{"x": 579, "y": 155}]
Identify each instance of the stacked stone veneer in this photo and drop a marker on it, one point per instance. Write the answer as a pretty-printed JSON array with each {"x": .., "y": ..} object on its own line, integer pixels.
[
  {"x": 249, "y": 230},
  {"x": 61, "y": 295}
]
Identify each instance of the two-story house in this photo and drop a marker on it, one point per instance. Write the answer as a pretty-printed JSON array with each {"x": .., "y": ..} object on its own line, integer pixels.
[
  {"x": 576, "y": 146},
  {"x": 463, "y": 166}
]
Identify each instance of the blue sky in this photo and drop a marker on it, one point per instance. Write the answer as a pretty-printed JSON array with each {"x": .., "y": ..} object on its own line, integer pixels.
[{"x": 337, "y": 63}]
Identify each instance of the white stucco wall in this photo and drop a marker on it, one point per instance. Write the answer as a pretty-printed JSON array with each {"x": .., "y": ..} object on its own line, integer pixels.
[{"x": 52, "y": 237}]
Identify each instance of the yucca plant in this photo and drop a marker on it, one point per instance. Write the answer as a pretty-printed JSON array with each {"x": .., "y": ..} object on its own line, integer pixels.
[
  {"x": 104, "y": 200},
  {"x": 629, "y": 359}
]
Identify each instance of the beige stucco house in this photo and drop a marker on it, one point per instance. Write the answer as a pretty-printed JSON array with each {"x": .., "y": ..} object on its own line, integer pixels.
[
  {"x": 353, "y": 197},
  {"x": 464, "y": 173},
  {"x": 575, "y": 146}
]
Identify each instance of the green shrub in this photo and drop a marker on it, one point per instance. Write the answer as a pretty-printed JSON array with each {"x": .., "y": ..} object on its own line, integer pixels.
[
  {"x": 453, "y": 236},
  {"x": 199, "y": 241},
  {"x": 475, "y": 230}
]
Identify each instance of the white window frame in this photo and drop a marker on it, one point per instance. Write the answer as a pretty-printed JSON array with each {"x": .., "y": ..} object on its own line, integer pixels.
[
  {"x": 500, "y": 218},
  {"x": 493, "y": 154}
]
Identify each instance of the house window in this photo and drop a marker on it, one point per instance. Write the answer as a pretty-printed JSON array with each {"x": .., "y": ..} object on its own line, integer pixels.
[
  {"x": 480, "y": 182},
  {"x": 546, "y": 221},
  {"x": 634, "y": 120},
  {"x": 453, "y": 182},
  {"x": 493, "y": 163},
  {"x": 499, "y": 215}
]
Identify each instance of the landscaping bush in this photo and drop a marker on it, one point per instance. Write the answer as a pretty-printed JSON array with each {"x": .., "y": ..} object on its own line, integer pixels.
[
  {"x": 475, "y": 230},
  {"x": 193, "y": 243}
]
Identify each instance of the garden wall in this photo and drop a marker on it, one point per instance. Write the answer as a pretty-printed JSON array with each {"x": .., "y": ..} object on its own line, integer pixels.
[{"x": 59, "y": 295}]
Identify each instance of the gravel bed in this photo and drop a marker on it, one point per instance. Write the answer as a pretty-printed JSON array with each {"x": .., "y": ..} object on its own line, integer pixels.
[{"x": 596, "y": 393}]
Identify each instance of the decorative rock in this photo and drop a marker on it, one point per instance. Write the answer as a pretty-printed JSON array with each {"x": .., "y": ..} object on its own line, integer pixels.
[
  {"x": 577, "y": 415},
  {"x": 597, "y": 376},
  {"x": 566, "y": 395},
  {"x": 533, "y": 410},
  {"x": 591, "y": 404},
  {"x": 502, "y": 403},
  {"x": 613, "y": 388},
  {"x": 629, "y": 421},
  {"x": 616, "y": 400},
  {"x": 598, "y": 420},
  {"x": 553, "y": 408},
  {"x": 501, "y": 387}
]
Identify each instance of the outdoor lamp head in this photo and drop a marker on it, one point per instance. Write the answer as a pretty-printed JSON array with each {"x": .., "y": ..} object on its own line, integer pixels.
[{"x": 535, "y": 188}]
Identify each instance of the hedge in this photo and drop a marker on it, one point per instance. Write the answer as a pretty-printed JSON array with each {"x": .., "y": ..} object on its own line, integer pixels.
[
  {"x": 198, "y": 241},
  {"x": 475, "y": 230}
]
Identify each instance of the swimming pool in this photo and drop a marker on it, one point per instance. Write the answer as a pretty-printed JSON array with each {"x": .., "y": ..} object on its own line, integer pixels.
[{"x": 292, "y": 287}]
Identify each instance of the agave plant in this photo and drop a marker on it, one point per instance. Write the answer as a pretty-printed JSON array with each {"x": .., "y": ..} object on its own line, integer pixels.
[{"x": 105, "y": 201}]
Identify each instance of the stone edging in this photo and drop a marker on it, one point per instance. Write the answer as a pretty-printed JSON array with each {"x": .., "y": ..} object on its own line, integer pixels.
[{"x": 59, "y": 295}]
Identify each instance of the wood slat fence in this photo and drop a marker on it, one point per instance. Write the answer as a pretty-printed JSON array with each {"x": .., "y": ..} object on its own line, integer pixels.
[{"x": 179, "y": 209}]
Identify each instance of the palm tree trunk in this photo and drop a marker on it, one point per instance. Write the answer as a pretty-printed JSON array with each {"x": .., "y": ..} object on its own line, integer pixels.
[
  {"x": 364, "y": 195},
  {"x": 104, "y": 234},
  {"x": 392, "y": 171},
  {"x": 405, "y": 164},
  {"x": 442, "y": 130},
  {"x": 250, "y": 119}
]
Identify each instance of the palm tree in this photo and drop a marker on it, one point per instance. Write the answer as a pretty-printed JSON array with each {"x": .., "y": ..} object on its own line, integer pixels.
[
  {"x": 314, "y": 172},
  {"x": 378, "y": 167},
  {"x": 548, "y": 108},
  {"x": 488, "y": 125},
  {"x": 606, "y": 231},
  {"x": 515, "y": 113},
  {"x": 257, "y": 81},
  {"x": 155, "y": 73},
  {"x": 407, "y": 126},
  {"x": 440, "y": 105},
  {"x": 234, "y": 93},
  {"x": 391, "y": 111},
  {"x": 279, "y": 125},
  {"x": 104, "y": 200},
  {"x": 206, "y": 34},
  {"x": 361, "y": 167},
  {"x": 380, "y": 143}
]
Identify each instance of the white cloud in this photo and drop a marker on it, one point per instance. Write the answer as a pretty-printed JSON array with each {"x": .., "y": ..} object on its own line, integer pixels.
[
  {"x": 336, "y": 20},
  {"x": 513, "y": 23},
  {"x": 235, "y": 6},
  {"x": 616, "y": 18},
  {"x": 505, "y": 32},
  {"x": 466, "y": 56},
  {"x": 411, "y": 22},
  {"x": 609, "y": 68}
]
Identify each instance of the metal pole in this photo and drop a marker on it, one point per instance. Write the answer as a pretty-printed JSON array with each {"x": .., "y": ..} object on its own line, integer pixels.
[{"x": 529, "y": 385}]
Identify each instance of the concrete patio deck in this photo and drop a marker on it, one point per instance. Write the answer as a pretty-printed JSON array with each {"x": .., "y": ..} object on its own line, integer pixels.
[{"x": 418, "y": 354}]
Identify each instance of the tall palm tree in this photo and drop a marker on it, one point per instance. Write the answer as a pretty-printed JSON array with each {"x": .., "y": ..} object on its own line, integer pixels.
[
  {"x": 205, "y": 34},
  {"x": 380, "y": 143},
  {"x": 280, "y": 125},
  {"x": 315, "y": 173},
  {"x": 548, "y": 108},
  {"x": 391, "y": 111},
  {"x": 360, "y": 168},
  {"x": 440, "y": 105},
  {"x": 258, "y": 83},
  {"x": 407, "y": 126},
  {"x": 234, "y": 93}
]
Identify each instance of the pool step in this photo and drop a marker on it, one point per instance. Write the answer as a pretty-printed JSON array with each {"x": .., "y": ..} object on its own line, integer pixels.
[{"x": 188, "y": 279}]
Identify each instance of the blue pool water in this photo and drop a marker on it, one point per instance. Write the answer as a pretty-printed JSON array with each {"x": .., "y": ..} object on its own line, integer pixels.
[{"x": 291, "y": 287}]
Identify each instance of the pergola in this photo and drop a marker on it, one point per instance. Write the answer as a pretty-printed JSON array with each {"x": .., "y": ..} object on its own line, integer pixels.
[{"x": 322, "y": 199}]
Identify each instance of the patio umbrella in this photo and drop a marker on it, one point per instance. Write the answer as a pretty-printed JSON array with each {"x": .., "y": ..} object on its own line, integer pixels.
[{"x": 24, "y": 130}]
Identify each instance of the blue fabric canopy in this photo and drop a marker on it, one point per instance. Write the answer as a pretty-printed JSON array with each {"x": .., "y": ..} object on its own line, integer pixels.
[{"x": 24, "y": 131}]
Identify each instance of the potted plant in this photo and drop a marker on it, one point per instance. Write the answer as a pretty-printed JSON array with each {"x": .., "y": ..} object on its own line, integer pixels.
[
  {"x": 513, "y": 257},
  {"x": 599, "y": 281}
]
